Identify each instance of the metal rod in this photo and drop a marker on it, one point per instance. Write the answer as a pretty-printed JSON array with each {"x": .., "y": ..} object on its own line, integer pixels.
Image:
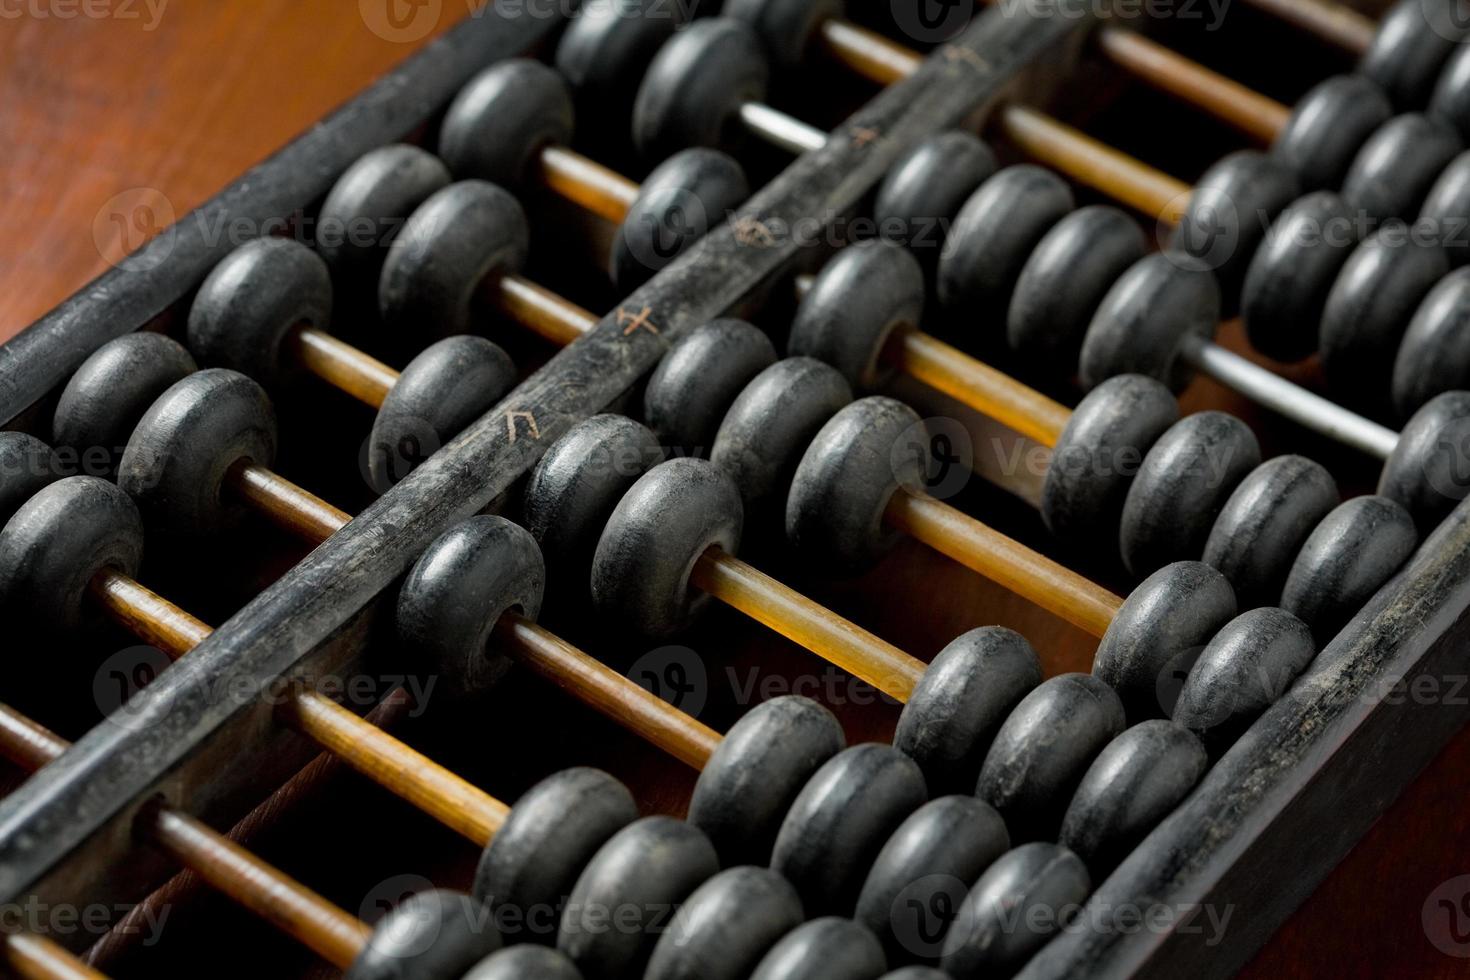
[{"x": 779, "y": 129}]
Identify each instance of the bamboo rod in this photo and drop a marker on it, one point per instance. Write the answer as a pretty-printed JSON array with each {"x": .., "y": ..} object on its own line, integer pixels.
[
  {"x": 33, "y": 957},
  {"x": 586, "y": 183},
  {"x": 1333, "y": 22},
  {"x": 286, "y": 505},
  {"x": 541, "y": 311},
  {"x": 146, "y": 614},
  {"x": 342, "y": 366}
]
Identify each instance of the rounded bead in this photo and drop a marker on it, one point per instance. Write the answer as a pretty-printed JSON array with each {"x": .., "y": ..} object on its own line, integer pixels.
[
  {"x": 840, "y": 821},
  {"x": 830, "y": 948},
  {"x": 698, "y": 379},
  {"x": 252, "y": 300},
  {"x": 1327, "y": 128},
  {"x": 724, "y": 929},
  {"x": 524, "y": 962},
  {"x": 367, "y": 206},
  {"x": 439, "y": 395},
  {"x": 552, "y": 832},
  {"x": 27, "y": 466},
  {"x": 58, "y": 541},
  {"x": 915, "y": 973},
  {"x": 1136, "y": 781},
  {"x": 921, "y": 195},
  {"x": 862, "y": 295},
  {"x": 696, "y": 84},
  {"x": 449, "y": 246},
  {"x": 604, "y": 50},
  {"x": 1159, "y": 631},
  {"x": 1264, "y": 523},
  {"x": 1411, "y": 44},
  {"x": 993, "y": 235},
  {"x": 1183, "y": 483},
  {"x": 786, "y": 27},
  {"x": 669, "y": 518},
  {"x": 647, "y": 868},
  {"x": 1356, "y": 548},
  {"x": 1065, "y": 279},
  {"x": 1015, "y": 907},
  {"x": 1396, "y": 167},
  {"x": 1434, "y": 354},
  {"x": 1161, "y": 303},
  {"x": 433, "y": 935},
  {"x": 1450, "y": 102},
  {"x": 177, "y": 462},
  {"x": 1243, "y": 670},
  {"x": 1043, "y": 748},
  {"x": 751, "y": 780},
  {"x": 507, "y": 114},
  {"x": 926, "y": 867},
  {"x": 1099, "y": 453},
  {"x": 681, "y": 200},
  {"x": 1428, "y": 472},
  {"x": 861, "y": 458},
  {"x": 961, "y": 701},
  {"x": 1446, "y": 211}
]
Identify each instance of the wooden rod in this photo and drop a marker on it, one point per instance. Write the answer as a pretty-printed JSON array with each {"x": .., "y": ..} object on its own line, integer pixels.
[
  {"x": 610, "y": 693},
  {"x": 586, "y": 183},
  {"x": 807, "y": 624},
  {"x": 27, "y": 743},
  {"x": 868, "y": 53},
  {"x": 540, "y": 310},
  {"x": 274, "y": 896},
  {"x": 146, "y": 614},
  {"x": 1256, "y": 115},
  {"x": 1008, "y": 563},
  {"x": 978, "y": 385},
  {"x": 33, "y": 957},
  {"x": 1333, "y": 22},
  {"x": 385, "y": 760},
  {"x": 342, "y": 366},
  {"x": 286, "y": 505}
]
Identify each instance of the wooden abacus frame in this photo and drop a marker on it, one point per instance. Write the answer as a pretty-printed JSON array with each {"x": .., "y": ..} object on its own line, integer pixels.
[{"x": 1264, "y": 827}]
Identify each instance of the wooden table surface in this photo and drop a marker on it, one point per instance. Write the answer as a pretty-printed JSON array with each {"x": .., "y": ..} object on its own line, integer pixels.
[{"x": 111, "y": 122}]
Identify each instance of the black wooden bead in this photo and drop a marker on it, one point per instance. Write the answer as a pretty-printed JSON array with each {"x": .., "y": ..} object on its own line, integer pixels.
[
  {"x": 669, "y": 518},
  {"x": 1183, "y": 483},
  {"x": 1411, "y": 44},
  {"x": 862, "y": 295},
  {"x": 524, "y": 962},
  {"x": 1451, "y": 100},
  {"x": 1144, "y": 321},
  {"x": 1064, "y": 280},
  {"x": 252, "y": 300},
  {"x": 1434, "y": 354},
  {"x": 1136, "y": 781},
  {"x": 27, "y": 466},
  {"x": 680, "y": 201},
  {"x": 961, "y": 701},
  {"x": 923, "y": 872},
  {"x": 726, "y": 926},
  {"x": 1161, "y": 628},
  {"x": 439, "y": 395},
  {"x": 500, "y": 121},
  {"x": 369, "y": 204},
  {"x": 840, "y": 821},
  {"x": 621, "y": 901},
  {"x": 1394, "y": 170},
  {"x": 771, "y": 423},
  {"x": 698, "y": 379},
  {"x": 578, "y": 482},
  {"x": 696, "y": 85},
  {"x": 830, "y": 948},
  {"x": 1229, "y": 210},
  {"x": 759, "y": 768},
  {"x": 1042, "y": 750},
  {"x": 1264, "y": 523},
  {"x": 1370, "y": 306},
  {"x": 1012, "y": 911},
  {"x": 1428, "y": 472},
  {"x": 1244, "y": 670},
  {"x": 433, "y": 935},
  {"x": 786, "y": 27},
  {"x": 1355, "y": 549},
  {"x": 993, "y": 235},
  {"x": 1099, "y": 453},
  {"x": 1446, "y": 211},
  {"x": 184, "y": 447},
  {"x": 103, "y": 401},
  {"x": 1327, "y": 127},
  {"x": 604, "y": 50},
  {"x": 529, "y": 868},
  {"x": 57, "y": 541},
  {"x": 861, "y": 458},
  {"x": 1293, "y": 271},
  {"x": 926, "y": 188},
  {"x": 915, "y": 973},
  {"x": 457, "y": 591},
  {"x": 449, "y": 246}
]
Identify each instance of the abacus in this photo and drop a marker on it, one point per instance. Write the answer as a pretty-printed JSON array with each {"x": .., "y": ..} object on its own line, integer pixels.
[{"x": 1158, "y": 684}]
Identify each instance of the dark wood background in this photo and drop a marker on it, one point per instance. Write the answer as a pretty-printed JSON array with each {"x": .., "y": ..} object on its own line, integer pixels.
[{"x": 172, "y": 109}]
